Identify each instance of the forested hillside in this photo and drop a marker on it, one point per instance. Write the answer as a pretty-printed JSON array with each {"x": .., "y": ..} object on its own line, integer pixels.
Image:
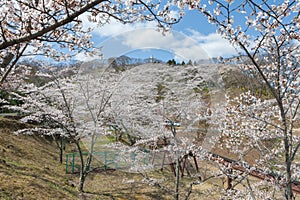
[{"x": 30, "y": 167}]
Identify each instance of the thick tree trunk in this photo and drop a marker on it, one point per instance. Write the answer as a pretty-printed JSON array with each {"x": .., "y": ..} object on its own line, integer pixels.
[
  {"x": 82, "y": 170},
  {"x": 288, "y": 191},
  {"x": 81, "y": 180}
]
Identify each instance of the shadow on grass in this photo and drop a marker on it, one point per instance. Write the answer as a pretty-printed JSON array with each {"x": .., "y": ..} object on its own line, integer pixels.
[
  {"x": 32, "y": 176},
  {"x": 130, "y": 193}
]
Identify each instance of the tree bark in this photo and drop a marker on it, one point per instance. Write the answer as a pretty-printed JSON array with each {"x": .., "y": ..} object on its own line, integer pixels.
[
  {"x": 176, "y": 192},
  {"x": 82, "y": 171},
  {"x": 61, "y": 150},
  {"x": 47, "y": 29},
  {"x": 288, "y": 191}
]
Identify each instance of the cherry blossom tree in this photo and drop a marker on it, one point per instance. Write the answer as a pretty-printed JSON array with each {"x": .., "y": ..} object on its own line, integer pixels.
[
  {"x": 266, "y": 36},
  {"x": 160, "y": 107},
  {"x": 69, "y": 106},
  {"x": 54, "y": 28}
]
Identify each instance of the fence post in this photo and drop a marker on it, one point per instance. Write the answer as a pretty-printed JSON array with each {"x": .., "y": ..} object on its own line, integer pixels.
[
  {"x": 145, "y": 159},
  {"x": 115, "y": 160},
  {"x": 73, "y": 162},
  {"x": 105, "y": 161},
  {"x": 67, "y": 163},
  {"x": 132, "y": 159}
]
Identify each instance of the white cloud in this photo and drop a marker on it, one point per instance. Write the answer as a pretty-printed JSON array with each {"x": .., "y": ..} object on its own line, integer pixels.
[
  {"x": 124, "y": 38},
  {"x": 113, "y": 27},
  {"x": 194, "y": 47},
  {"x": 86, "y": 57},
  {"x": 213, "y": 44},
  {"x": 150, "y": 38}
]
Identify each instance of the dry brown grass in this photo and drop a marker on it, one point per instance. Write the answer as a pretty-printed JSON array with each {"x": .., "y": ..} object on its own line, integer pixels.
[{"x": 30, "y": 169}]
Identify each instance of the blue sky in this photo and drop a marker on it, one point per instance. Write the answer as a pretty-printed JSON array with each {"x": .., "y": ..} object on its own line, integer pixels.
[
  {"x": 195, "y": 20},
  {"x": 193, "y": 38}
]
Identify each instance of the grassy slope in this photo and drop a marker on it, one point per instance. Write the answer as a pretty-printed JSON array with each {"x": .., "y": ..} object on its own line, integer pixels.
[{"x": 29, "y": 167}]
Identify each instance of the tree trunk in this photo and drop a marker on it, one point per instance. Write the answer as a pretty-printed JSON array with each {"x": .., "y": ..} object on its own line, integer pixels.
[
  {"x": 90, "y": 154},
  {"x": 81, "y": 180},
  {"x": 5, "y": 65},
  {"x": 82, "y": 171},
  {"x": 177, "y": 170},
  {"x": 61, "y": 150},
  {"x": 176, "y": 192},
  {"x": 60, "y": 155},
  {"x": 288, "y": 191},
  {"x": 288, "y": 188}
]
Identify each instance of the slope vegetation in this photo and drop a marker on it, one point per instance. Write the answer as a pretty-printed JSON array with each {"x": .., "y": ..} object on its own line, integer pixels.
[{"x": 29, "y": 167}]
